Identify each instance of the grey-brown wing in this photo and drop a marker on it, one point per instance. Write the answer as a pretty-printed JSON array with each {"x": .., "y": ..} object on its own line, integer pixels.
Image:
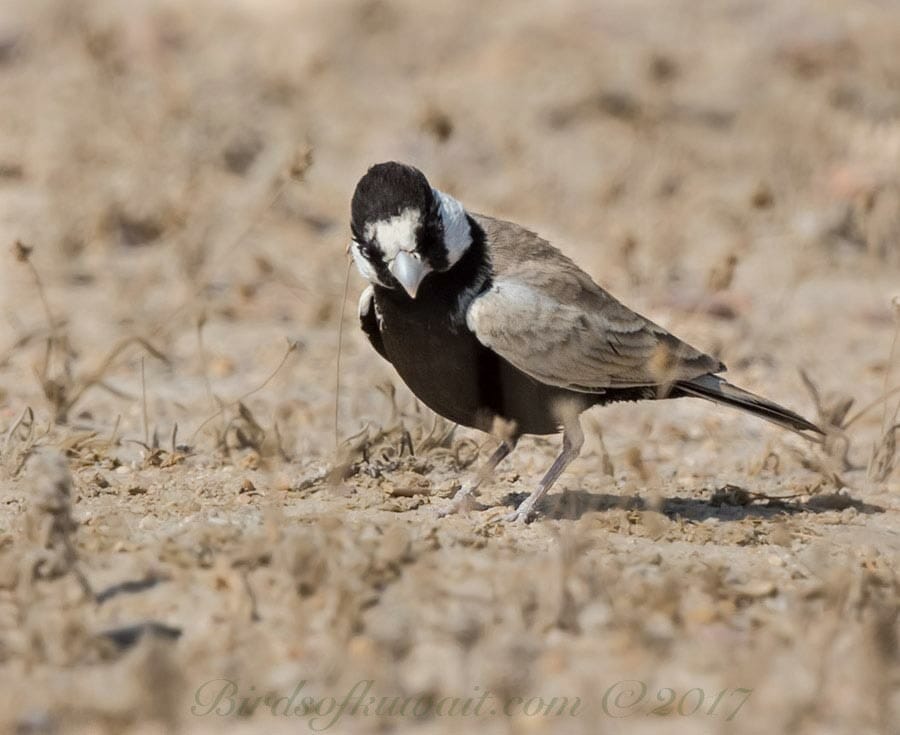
[{"x": 550, "y": 320}]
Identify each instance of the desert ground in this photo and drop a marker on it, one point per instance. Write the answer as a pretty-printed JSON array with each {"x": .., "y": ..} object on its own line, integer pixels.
[{"x": 207, "y": 525}]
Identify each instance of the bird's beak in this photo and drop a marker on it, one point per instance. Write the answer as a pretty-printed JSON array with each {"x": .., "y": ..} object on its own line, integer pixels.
[{"x": 409, "y": 271}]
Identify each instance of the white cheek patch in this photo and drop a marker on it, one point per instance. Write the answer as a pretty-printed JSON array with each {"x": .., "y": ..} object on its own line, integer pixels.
[
  {"x": 396, "y": 234},
  {"x": 365, "y": 268},
  {"x": 457, "y": 233}
]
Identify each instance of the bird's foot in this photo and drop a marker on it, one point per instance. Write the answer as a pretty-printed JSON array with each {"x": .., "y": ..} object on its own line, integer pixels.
[
  {"x": 463, "y": 501},
  {"x": 523, "y": 514}
]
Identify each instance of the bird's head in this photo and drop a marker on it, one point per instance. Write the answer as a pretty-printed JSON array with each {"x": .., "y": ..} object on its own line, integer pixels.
[{"x": 403, "y": 229}]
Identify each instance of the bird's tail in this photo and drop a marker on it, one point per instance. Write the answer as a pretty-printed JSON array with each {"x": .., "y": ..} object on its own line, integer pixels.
[{"x": 716, "y": 389}]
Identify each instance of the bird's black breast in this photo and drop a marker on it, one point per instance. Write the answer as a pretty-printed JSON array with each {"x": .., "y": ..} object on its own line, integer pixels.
[{"x": 445, "y": 366}]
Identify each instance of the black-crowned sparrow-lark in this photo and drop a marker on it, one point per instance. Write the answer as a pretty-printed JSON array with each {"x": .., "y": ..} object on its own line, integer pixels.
[{"x": 484, "y": 319}]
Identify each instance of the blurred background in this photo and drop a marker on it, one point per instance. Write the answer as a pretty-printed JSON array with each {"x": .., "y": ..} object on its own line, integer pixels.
[{"x": 175, "y": 180}]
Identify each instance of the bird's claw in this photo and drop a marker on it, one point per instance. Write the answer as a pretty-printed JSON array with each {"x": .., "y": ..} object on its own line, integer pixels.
[{"x": 520, "y": 515}]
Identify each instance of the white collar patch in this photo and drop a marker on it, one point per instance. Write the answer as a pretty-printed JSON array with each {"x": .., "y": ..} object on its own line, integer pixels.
[
  {"x": 397, "y": 233},
  {"x": 367, "y": 303},
  {"x": 457, "y": 233}
]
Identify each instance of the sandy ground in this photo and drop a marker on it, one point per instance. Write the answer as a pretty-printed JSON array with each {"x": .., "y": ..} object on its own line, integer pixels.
[{"x": 182, "y": 549}]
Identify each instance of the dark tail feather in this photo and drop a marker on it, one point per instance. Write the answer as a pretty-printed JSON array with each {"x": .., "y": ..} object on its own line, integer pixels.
[{"x": 716, "y": 389}]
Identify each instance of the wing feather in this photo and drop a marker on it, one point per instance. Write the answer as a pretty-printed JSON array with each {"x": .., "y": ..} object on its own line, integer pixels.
[{"x": 549, "y": 319}]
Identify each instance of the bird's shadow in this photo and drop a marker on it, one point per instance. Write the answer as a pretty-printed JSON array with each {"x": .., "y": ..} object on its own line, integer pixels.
[{"x": 725, "y": 504}]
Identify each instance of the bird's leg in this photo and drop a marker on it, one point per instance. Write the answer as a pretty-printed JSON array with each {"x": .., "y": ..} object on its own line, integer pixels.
[
  {"x": 573, "y": 439},
  {"x": 465, "y": 492}
]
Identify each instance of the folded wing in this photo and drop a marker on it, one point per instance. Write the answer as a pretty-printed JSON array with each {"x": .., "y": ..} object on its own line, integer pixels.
[{"x": 548, "y": 318}]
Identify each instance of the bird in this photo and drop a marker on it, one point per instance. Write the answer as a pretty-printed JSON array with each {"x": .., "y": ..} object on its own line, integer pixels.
[{"x": 486, "y": 321}]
